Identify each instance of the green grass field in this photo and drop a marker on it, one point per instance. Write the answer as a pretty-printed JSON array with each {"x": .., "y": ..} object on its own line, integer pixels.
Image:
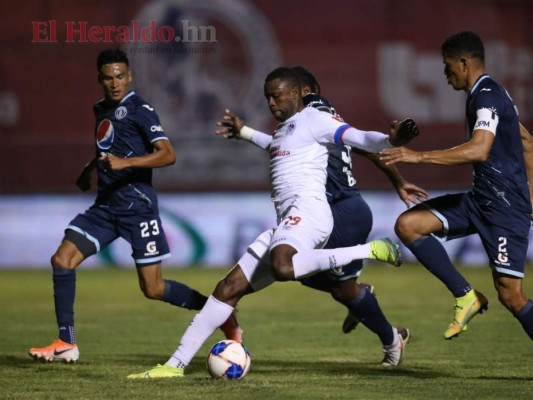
[{"x": 298, "y": 349}]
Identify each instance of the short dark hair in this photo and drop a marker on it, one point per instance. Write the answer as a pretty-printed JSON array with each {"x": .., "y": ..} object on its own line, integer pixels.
[
  {"x": 307, "y": 79},
  {"x": 111, "y": 56},
  {"x": 465, "y": 42},
  {"x": 285, "y": 74}
]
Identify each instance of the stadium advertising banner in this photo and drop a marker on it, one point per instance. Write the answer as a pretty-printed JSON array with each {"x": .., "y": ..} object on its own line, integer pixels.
[
  {"x": 202, "y": 230},
  {"x": 375, "y": 60}
]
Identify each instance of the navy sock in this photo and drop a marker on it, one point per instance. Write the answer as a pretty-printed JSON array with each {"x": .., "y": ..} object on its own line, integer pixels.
[
  {"x": 64, "y": 293},
  {"x": 366, "y": 308},
  {"x": 432, "y": 255},
  {"x": 525, "y": 316},
  {"x": 181, "y": 295}
]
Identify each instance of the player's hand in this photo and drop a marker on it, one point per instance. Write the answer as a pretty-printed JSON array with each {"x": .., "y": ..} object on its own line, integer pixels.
[
  {"x": 84, "y": 180},
  {"x": 411, "y": 194},
  {"x": 113, "y": 163},
  {"x": 231, "y": 126},
  {"x": 400, "y": 154},
  {"x": 401, "y": 133}
]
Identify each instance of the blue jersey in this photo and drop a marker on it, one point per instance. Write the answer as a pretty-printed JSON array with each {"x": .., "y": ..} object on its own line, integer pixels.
[
  {"x": 340, "y": 182},
  {"x": 500, "y": 181},
  {"x": 126, "y": 129}
]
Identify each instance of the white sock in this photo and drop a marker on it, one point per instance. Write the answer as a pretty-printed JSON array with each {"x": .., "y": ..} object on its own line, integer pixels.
[
  {"x": 307, "y": 262},
  {"x": 213, "y": 314}
]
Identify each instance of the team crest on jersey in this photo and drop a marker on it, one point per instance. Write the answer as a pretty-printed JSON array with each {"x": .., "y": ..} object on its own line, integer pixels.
[
  {"x": 105, "y": 134},
  {"x": 290, "y": 129},
  {"x": 121, "y": 112}
]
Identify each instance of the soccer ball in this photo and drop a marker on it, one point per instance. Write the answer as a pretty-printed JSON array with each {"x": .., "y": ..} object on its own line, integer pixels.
[{"x": 228, "y": 359}]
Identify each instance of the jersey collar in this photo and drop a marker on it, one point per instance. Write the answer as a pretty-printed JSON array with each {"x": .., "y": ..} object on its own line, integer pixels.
[
  {"x": 478, "y": 81},
  {"x": 125, "y": 97}
]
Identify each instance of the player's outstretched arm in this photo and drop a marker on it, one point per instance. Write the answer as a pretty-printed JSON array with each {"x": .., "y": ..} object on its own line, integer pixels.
[
  {"x": 475, "y": 150},
  {"x": 410, "y": 193},
  {"x": 84, "y": 180}
]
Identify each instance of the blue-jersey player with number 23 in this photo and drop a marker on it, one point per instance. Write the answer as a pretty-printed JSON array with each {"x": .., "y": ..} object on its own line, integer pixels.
[{"x": 130, "y": 142}]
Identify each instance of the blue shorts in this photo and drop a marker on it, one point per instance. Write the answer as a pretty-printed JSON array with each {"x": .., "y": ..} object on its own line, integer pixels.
[
  {"x": 142, "y": 229},
  {"x": 352, "y": 223},
  {"x": 503, "y": 231}
]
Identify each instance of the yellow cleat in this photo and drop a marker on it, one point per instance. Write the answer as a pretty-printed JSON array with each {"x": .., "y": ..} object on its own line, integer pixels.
[
  {"x": 385, "y": 250},
  {"x": 159, "y": 372},
  {"x": 466, "y": 307}
]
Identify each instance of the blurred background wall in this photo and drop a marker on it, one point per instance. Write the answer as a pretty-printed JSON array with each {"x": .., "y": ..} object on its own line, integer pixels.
[{"x": 376, "y": 60}]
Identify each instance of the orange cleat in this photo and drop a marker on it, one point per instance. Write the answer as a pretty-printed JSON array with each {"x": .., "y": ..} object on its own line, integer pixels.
[{"x": 57, "y": 351}]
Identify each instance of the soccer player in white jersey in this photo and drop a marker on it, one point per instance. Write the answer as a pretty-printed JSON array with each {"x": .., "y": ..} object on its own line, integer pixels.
[{"x": 292, "y": 250}]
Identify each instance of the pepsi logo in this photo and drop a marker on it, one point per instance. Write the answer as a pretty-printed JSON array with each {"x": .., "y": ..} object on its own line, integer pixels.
[{"x": 105, "y": 134}]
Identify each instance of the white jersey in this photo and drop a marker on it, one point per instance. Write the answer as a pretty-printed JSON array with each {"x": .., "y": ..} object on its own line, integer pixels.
[{"x": 299, "y": 157}]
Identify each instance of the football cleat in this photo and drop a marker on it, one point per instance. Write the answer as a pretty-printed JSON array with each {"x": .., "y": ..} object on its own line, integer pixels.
[
  {"x": 385, "y": 250},
  {"x": 394, "y": 352},
  {"x": 57, "y": 351},
  {"x": 159, "y": 372},
  {"x": 351, "y": 321},
  {"x": 466, "y": 307},
  {"x": 231, "y": 328}
]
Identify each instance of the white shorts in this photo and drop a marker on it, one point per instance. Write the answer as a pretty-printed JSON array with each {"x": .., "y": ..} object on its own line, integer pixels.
[{"x": 305, "y": 224}]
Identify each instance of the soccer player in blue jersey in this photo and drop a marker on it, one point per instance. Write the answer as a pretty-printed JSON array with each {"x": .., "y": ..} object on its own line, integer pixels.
[
  {"x": 351, "y": 214},
  {"x": 130, "y": 142},
  {"x": 497, "y": 208}
]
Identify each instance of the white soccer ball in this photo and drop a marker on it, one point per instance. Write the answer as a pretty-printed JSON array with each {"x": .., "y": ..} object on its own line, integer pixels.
[{"x": 228, "y": 359}]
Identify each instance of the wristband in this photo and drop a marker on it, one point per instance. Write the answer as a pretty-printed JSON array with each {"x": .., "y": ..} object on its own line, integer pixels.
[{"x": 246, "y": 133}]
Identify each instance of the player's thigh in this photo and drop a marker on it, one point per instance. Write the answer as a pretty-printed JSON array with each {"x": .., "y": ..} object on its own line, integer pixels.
[
  {"x": 307, "y": 224},
  {"x": 255, "y": 262},
  {"x": 352, "y": 222},
  {"x": 91, "y": 231},
  {"x": 506, "y": 247},
  {"x": 144, "y": 232},
  {"x": 447, "y": 217}
]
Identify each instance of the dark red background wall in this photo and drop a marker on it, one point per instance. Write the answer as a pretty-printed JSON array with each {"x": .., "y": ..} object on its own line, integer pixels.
[{"x": 354, "y": 47}]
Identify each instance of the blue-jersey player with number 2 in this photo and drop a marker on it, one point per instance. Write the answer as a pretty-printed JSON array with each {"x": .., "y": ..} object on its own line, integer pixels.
[
  {"x": 130, "y": 142},
  {"x": 497, "y": 208}
]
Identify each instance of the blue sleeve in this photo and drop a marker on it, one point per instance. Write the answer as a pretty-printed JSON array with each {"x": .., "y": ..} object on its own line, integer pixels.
[{"x": 149, "y": 124}]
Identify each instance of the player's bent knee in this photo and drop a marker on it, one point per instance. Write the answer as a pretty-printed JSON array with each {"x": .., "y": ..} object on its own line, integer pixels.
[
  {"x": 153, "y": 293},
  {"x": 282, "y": 272},
  {"x": 402, "y": 227},
  {"x": 230, "y": 291},
  {"x": 62, "y": 262}
]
